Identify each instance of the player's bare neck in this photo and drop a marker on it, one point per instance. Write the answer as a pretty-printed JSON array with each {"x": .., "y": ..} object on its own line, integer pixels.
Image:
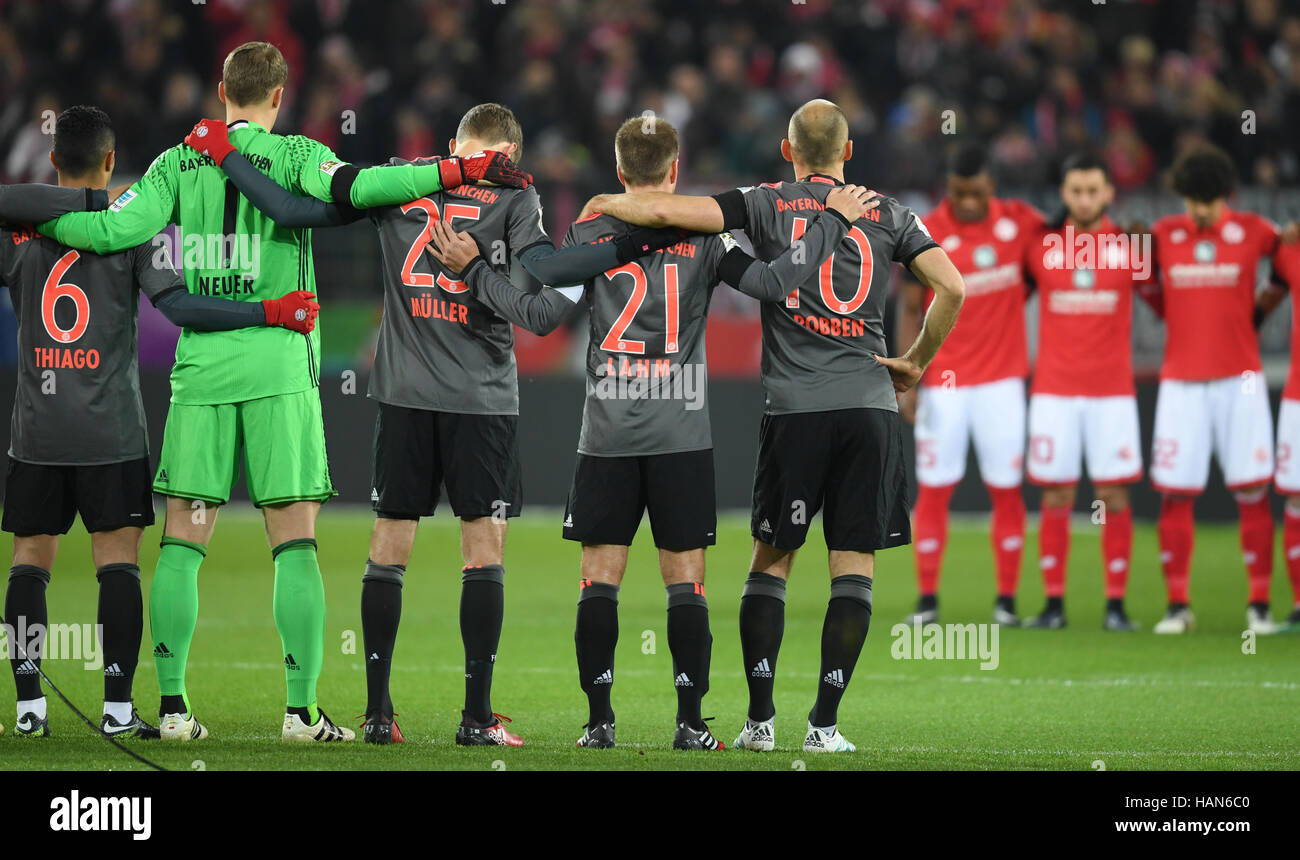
[
  {"x": 262, "y": 116},
  {"x": 664, "y": 187},
  {"x": 90, "y": 180}
]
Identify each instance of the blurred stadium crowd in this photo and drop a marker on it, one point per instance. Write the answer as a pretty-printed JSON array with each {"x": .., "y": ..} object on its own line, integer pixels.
[{"x": 1138, "y": 80}]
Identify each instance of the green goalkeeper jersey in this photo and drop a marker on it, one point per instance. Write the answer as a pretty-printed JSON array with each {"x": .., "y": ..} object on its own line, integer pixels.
[{"x": 225, "y": 247}]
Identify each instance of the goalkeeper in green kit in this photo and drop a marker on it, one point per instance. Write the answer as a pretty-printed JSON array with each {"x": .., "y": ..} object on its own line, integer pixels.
[{"x": 250, "y": 391}]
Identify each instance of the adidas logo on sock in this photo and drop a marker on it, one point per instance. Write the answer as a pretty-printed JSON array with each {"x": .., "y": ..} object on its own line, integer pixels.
[
  {"x": 114, "y": 671},
  {"x": 374, "y": 656},
  {"x": 161, "y": 650},
  {"x": 683, "y": 681},
  {"x": 761, "y": 670},
  {"x": 765, "y": 526},
  {"x": 835, "y": 678},
  {"x": 568, "y": 521},
  {"x": 290, "y": 663},
  {"x": 607, "y": 677},
  {"x": 27, "y": 667}
]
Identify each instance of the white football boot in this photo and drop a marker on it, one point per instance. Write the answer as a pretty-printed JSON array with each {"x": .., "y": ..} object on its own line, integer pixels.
[
  {"x": 323, "y": 730},
  {"x": 819, "y": 740},
  {"x": 760, "y": 736}
]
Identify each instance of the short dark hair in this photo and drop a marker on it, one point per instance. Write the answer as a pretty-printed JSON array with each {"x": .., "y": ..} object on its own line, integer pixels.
[
  {"x": 491, "y": 123},
  {"x": 817, "y": 134},
  {"x": 252, "y": 71},
  {"x": 1204, "y": 174},
  {"x": 1084, "y": 160},
  {"x": 968, "y": 159},
  {"x": 644, "y": 148},
  {"x": 83, "y": 137}
]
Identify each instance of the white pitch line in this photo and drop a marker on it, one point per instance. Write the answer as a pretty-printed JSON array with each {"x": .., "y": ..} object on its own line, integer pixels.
[{"x": 1121, "y": 681}]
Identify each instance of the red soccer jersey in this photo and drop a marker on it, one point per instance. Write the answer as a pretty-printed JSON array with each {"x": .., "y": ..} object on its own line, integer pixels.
[
  {"x": 988, "y": 342},
  {"x": 1085, "y": 294},
  {"x": 1286, "y": 262},
  {"x": 1207, "y": 282}
]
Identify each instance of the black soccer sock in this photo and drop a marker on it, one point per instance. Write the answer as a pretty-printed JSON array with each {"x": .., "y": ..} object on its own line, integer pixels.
[
  {"x": 762, "y": 623},
  {"x": 381, "y": 612},
  {"x": 848, "y": 616},
  {"x": 121, "y": 618},
  {"x": 24, "y": 610},
  {"x": 691, "y": 645},
  {"x": 482, "y": 605},
  {"x": 595, "y": 636}
]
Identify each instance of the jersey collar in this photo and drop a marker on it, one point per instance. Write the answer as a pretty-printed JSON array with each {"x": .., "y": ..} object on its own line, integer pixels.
[
  {"x": 243, "y": 123},
  {"x": 821, "y": 177}
]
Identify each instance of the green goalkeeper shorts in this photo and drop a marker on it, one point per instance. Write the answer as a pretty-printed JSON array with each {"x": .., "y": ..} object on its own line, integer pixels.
[{"x": 281, "y": 439}]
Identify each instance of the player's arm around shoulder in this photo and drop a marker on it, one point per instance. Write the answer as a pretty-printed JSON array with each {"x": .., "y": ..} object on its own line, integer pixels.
[
  {"x": 660, "y": 209},
  {"x": 140, "y": 213}
]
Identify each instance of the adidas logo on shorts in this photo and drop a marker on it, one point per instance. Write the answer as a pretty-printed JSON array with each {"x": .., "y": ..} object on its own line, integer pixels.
[
  {"x": 374, "y": 495},
  {"x": 568, "y": 521},
  {"x": 765, "y": 526}
]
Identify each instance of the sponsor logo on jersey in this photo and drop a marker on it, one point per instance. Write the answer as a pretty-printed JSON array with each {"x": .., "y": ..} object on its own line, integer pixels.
[
  {"x": 1204, "y": 251},
  {"x": 984, "y": 256},
  {"x": 1005, "y": 229},
  {"x": 123, "y": 200},
  {"x": 1084, "y": 279}
]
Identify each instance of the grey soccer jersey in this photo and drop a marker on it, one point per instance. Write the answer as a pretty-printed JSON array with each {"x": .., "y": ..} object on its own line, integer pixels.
[
  {"x": 818, "y": 343},
  {"x": 439, "y": 347},
  {"x": 647, "y": 384},
  {"x": 78, "y": 397}
]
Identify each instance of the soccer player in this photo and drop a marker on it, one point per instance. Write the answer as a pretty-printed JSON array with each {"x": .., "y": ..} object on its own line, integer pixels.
[
  {"x": 975, "y": 390},
  {"x": 1212, "y": 399},
  {"x": 645, "y": 442},
  {"x": 445, "y": 379},
  {"x": 1287, "y": 478},
  {"x": 831, "y": 436},
  {"x": 1082, "y": 403},
  {"x": 78, "y": 440},
  {"x": 251, "y": 392}
]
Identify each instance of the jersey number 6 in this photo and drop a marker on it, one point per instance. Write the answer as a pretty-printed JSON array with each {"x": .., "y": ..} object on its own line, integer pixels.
[{"x": 54, "y": 290}]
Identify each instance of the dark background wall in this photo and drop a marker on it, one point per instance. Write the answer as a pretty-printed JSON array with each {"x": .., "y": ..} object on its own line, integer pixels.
[{"x": 550, "y": 413}]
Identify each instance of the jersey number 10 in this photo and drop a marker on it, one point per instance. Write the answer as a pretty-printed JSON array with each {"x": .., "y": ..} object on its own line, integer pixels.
[{"x": 866, "y": 263}]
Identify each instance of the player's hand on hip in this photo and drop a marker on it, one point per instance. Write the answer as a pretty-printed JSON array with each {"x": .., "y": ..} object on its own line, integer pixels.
[
  {"x": 211, "y": 138},
  {"x": 852, "y": 201},
  {"x": 488, "y": 165},
  {"x": 296, "y": 311},
  {"x": 454, "y": 250},
  {"x": 904, "y": 372}
]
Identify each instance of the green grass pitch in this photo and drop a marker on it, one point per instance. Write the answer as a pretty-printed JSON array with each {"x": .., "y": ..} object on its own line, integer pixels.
[{"x": 1065, "y": 699}]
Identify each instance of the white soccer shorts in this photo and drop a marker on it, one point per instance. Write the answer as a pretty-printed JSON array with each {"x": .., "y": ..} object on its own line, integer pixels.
[
  {"x": 1287, "y": 478},
  {"x": 1228, "y": 417},
  {"x": 1063, "y": 431},
  {"x": 992, "y": 415}
]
